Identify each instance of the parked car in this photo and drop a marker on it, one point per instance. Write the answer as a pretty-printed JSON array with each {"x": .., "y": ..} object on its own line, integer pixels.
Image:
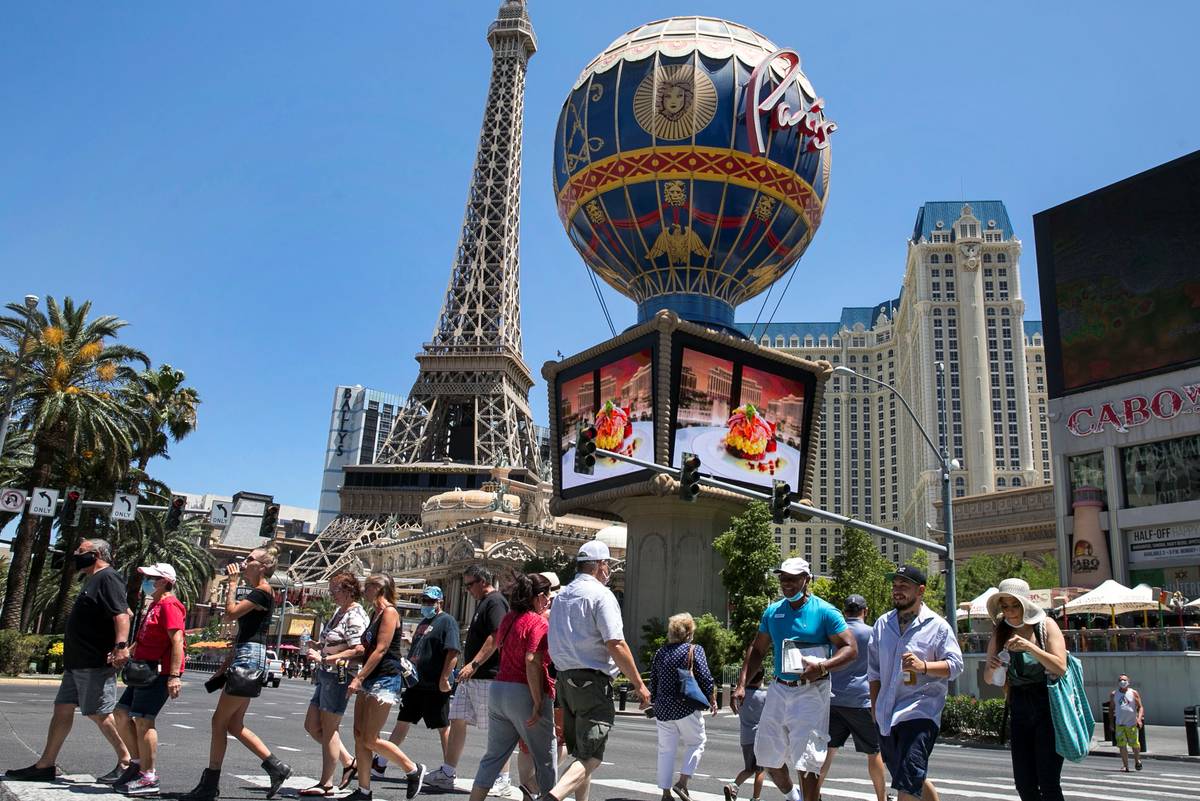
[{"x": 274, "y": 671}]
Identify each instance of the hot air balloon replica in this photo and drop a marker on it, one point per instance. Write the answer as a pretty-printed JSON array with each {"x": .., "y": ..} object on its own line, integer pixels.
[{"x": 691, "y": 171}]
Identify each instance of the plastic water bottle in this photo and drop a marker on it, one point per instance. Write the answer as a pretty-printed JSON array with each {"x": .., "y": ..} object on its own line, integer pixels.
[{"x": 997, "y": 675}]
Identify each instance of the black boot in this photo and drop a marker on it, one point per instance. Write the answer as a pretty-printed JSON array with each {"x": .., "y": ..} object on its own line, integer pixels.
[
  {"x": 278, "y": 773},
  {"x": 209, "y": 788}
]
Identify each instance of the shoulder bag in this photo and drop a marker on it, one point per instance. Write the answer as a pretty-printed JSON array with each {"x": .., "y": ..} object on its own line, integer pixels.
[
  {"x": 1069, "y": 708},
  {"x": 139, "y": 673},
  {"x": 244, "y": 682},
  {"x": 689, "y": 688}
]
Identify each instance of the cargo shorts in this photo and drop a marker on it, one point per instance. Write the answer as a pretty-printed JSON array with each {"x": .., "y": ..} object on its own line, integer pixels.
[{"x": 588, "y": 712}]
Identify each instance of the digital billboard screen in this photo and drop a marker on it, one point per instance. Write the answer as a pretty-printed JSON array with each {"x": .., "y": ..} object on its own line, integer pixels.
[
  {"x": 748, "y": 417},
  {"x": 615, "y": 393},
  {"x": 1119, "y": 271}
]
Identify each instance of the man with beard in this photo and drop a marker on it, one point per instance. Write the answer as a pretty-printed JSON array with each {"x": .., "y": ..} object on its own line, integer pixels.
[
  {"x": 95, "y": 647},
  {"x": 794, "y": 727},
  {"x": 914, "y": 655}
]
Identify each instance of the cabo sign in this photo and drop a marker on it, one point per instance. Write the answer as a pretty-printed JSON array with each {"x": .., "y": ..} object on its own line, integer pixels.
[
  {"x": 1122, "y": 415},
  {"x": 809, "y": 118}
]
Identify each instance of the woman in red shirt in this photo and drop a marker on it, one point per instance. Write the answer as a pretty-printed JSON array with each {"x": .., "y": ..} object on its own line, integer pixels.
[
  {"x": 521, "y": 701},
  {"x": 159, "y": 641}
]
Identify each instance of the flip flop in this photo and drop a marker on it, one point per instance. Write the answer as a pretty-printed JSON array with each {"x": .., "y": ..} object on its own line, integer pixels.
[
  {"x": 348, "y": 774},
  {"x": 323, "y": 790}
]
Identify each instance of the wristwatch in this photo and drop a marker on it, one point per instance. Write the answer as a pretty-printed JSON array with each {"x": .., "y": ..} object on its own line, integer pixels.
[
  {"x": 824, "y": 670},
  {"x": 175, "y": 676},
  {"x": 120, "y": 645}
]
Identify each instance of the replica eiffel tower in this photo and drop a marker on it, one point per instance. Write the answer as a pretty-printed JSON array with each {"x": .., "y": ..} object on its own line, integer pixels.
[{"x": 468, "y": 411}]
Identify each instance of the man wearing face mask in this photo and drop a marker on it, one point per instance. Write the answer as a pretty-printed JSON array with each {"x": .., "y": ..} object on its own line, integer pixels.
[
  {"x": 159, "y": 642},
  {"x": 95, "y": 647},
  {"x": 1129, "y": 715},
  {"x": 810, "y": 639},
  {"x": 434, "y": 652}
]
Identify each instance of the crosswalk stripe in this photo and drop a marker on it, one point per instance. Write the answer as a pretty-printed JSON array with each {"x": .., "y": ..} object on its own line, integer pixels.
[
  {"x": 48, "y": 791},
  {"x": 1140, "y": 783},
  {"x": 941, "y": 783},
  {"x": 182, "y": 726},
  {"x": 953, "y": 789},
  {"x": 646, "y": 788}
]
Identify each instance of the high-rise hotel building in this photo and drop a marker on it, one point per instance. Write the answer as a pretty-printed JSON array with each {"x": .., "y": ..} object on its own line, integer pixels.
[{"x": 960, "y": 304}]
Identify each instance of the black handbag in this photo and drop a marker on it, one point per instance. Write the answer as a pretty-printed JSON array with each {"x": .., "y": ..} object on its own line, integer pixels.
[
  {"x": 244, "y": 682},
  {"x": 139, "y": 673}
]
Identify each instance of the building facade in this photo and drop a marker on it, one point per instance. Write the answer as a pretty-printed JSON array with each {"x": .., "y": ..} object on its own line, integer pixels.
[
  {"x": 960, "y": 304},
  {"x": 358, "y": 425}
]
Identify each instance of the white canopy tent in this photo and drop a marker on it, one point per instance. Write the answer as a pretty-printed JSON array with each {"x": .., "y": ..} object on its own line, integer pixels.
[
  {"x": 977, "y": 609},
  {"x": 1113, "y": 598},
  {"x": 1193, "y": 605}
]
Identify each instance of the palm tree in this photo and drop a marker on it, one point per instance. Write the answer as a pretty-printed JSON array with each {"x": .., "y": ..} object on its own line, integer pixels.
[
  {"x": 170, "y": 408},
  {"x": 72, "y": 401}
]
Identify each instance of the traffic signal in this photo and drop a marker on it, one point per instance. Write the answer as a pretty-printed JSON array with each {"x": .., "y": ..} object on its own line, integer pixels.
[
  {"x": 585, "y": 450},
  {"x": 70, "y": 513},
  {"x": 781, "y": 499},
  {"x": 175, "y": 513},
  {"x": 689, "y": 477},
  {"x": 269, "y": 521}
]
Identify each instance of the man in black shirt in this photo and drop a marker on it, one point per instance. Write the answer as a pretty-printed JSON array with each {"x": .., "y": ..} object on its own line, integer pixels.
[
  {"x": 481, "y": 662},
  {"x": 95, "y": 647}
]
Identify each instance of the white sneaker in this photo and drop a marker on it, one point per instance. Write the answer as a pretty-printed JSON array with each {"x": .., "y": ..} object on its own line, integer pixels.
[
  {"x": 502, "y": 788},
  {"x": 439, "y": 780}
]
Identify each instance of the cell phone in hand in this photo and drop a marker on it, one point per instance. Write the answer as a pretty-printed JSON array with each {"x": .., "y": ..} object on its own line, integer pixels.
[{"x": 216, "y": 682}]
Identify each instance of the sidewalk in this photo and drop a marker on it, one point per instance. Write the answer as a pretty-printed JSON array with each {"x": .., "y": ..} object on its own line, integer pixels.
[{"x": 1162, "y": 742}]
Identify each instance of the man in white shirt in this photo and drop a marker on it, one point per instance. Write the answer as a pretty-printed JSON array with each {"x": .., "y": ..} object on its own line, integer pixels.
[
  {"x": 587, "y": 645},
  {"x": 914, "y": 654}
]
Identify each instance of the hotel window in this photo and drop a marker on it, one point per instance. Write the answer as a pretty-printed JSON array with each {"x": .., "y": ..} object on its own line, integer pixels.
[
  {"x": 949, "y": 258},
  {"x": 1002, "y": 258},
  {"x": 987, "y": 258},
  {"x": 794, "y": 341},
  {"x": 933, "y": 258},
  {"x": 778, "y": 341}
]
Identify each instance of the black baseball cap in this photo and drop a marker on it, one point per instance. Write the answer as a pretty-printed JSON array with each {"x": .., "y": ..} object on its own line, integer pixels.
[
  {"x": 854, "y": 603},
  {"x": 908, "y": 573}
]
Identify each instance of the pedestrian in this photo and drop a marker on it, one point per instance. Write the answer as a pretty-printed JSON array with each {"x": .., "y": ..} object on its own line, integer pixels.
[
  {"x": 95, "y": 647},
  {"x": 378, "y": 685},
  {"x": 522, "y": 695},
  {"x": 158, "y": 642},
  {"x": 678, "y": 722},
  {"x": 914, "y": 655},
  {"x": 1128, "y": 715},
  {"x": 434, "y": 652},
  {"x": 794, "y": 726},
  {"x": 1025, "y": 648},
  {"x": 587, "y": 645},
  {"x": 850, "y": 708},
  {"x": 253, "y": 617},
  {"x": 749, "y": 713},
  {"x": 481, "y": 662},
  {"x": 525, "y": 767},
  {"x": 337, "y": 657}
]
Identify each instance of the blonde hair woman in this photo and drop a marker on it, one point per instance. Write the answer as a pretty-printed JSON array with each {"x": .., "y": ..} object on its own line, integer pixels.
[
  {"x": 253, "y": 617},
  {"x": 679, "y": 722}
]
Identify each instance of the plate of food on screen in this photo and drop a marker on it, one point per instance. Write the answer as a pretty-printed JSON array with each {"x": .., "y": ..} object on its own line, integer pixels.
[
  {"x": 745, "y": 446},
  {"x": 615, "y": 431}
]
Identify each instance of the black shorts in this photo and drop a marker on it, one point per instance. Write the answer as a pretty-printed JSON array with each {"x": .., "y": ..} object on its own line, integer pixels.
[
  {"x": 430, "y": 705},
  {"x": 845, "y": 721},
  {"x": 145, "y": 702},
  {"x": 906, "y": 753}
]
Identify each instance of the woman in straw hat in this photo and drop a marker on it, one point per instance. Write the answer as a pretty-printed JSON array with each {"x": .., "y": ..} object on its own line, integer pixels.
[{"x": 1028, "y": 645}]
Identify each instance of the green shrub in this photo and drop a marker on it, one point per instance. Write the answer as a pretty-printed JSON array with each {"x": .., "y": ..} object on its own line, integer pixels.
[
  {"x": 18, "y": 650},
  {"x": 967, "y": 716}
]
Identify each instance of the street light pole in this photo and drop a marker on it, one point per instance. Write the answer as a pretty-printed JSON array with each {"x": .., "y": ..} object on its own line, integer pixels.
[
  {"x": 945, "y": 465},
  {"x": 10, "y": 394}
]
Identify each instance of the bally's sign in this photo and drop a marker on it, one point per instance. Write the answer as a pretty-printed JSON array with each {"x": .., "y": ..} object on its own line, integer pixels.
[{"x": 1122, "y": 415}]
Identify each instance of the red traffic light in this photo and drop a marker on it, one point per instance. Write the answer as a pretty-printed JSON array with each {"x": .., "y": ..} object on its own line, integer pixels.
[
  {"x": 178, "y": 501},
  {"x": 73, "y": 496},
  {"x": 588, "y": 433}
]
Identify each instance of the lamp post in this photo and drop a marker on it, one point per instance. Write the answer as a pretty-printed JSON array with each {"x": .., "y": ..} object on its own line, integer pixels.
[
  {"x": 10, "y": 394},
  {"x": 945, "y": 463}
]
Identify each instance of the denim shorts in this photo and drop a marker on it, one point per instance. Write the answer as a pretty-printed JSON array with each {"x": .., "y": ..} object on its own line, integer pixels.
[
  {"x": 145, "y": 702},
  {"x": 251, "y": 655},
  {"x": 384, "y": 689},
  {"x": 330, "y": 694}
]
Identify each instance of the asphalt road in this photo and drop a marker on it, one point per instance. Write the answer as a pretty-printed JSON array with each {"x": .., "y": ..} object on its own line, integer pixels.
[{"x": 629, "y": 771}]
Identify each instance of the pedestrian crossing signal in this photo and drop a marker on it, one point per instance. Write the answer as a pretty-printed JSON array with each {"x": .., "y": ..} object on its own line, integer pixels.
[
  {"x": 71, "y": 511},
  {"x": 175, "y": 513},
  {"x": 585, "y": 450},
  {"x": 269, "y": 521},
  {"x": 689, "y": 477},
  {"x": 781, "y": 499}
]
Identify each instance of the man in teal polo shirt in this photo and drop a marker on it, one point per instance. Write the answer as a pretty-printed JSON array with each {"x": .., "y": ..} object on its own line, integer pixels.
[{"x": 794, "y": 727}]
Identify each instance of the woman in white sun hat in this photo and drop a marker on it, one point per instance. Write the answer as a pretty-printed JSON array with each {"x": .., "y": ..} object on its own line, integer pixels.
[{"x": 1028, "y": 646}]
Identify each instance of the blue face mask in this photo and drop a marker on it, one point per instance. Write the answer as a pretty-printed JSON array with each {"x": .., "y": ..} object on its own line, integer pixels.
[
  {"x": 428, "y": 611},
  {"x": 148, "y": 586}
]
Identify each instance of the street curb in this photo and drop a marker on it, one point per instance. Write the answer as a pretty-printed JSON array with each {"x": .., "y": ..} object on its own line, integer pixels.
[{"x": 964, "y": 743}]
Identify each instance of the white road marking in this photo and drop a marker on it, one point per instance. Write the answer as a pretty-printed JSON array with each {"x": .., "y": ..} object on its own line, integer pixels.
[
  {"x": 287, "y": 748},
  {"x": 274, "y": 717},
  {"x": 181, "y": 726}
]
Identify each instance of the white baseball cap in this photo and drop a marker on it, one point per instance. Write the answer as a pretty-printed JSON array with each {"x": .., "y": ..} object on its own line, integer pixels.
[
  {"x": 555, "y": 582},
  {"x": 594, "y": 551},
  {"x": 160, "y": 570},
  {"x": 794, "y": 567}
]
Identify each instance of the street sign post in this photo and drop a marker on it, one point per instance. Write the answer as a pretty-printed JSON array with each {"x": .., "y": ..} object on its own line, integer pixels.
[
  {"x": 12, "y": 500},
  {"x": 43, "y": 502},
  {"x": 124, "y": 506},
  {"x": 218, "y": 515}
]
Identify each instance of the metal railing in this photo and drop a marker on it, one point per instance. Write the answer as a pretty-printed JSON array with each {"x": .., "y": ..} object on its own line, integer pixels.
[{"x": 1082, "y": 641}]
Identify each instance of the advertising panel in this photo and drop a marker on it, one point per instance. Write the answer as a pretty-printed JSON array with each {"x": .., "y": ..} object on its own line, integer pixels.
[
  {"x": 615, "y": 393},
  {"x": 748, "y": 417},
  {"x": 1119, "y": 272},
  {"x": 1173, "y": 542}
]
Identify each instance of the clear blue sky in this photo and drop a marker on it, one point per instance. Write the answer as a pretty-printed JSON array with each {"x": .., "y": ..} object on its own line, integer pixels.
[{"x": 271, "y": 192}]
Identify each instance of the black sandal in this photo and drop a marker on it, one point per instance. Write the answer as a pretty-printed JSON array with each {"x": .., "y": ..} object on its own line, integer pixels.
[
  {"x": 349, "y": 773},
  {"x": 323, "y": 790}
]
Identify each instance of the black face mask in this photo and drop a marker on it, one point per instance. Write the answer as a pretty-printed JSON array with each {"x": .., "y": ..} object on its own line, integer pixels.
[{"x": 85, "y": 560}]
